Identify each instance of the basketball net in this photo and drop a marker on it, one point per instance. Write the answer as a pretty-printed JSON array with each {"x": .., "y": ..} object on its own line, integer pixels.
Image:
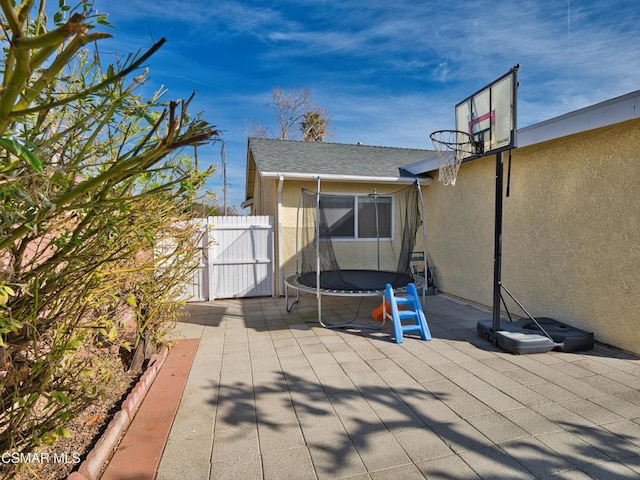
[{"x": 451, "y": 147}]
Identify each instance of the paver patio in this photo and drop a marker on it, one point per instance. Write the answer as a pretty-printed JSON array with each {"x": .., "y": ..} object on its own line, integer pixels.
[{"x": 273, "y": 395}]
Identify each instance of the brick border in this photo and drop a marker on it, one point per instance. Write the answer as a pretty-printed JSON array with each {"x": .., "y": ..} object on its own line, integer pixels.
[{"x": 91, "y": 468}]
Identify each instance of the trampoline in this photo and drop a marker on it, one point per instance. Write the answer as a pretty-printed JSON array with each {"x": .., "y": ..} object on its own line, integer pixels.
[
  {"x": 320, "y": 272},
  {"x": 361, "y": 283}
]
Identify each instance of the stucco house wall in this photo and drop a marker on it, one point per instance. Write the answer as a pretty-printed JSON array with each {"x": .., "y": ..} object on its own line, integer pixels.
[{"x": 571, "y": 232}]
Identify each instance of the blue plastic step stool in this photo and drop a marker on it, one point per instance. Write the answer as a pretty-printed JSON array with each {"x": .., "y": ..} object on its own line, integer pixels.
[{"x": 412, "y": 314}]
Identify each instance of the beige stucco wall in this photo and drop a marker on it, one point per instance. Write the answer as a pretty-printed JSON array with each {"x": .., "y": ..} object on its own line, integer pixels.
[{"x": 571, "y": 234}]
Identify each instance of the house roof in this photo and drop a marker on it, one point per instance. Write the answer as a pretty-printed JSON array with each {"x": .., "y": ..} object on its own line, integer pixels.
[{"x": 347, "y": 161}]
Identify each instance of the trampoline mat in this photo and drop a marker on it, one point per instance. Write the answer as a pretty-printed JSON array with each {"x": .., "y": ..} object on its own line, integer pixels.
[{"x": 356, "y": 280}]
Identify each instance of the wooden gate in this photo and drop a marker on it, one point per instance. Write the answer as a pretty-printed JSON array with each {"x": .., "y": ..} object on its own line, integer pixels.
[{"x": 240, "y": 256}]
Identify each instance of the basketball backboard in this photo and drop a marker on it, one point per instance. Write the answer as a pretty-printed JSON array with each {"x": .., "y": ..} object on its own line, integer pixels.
[{"x": 489, "y": 115}]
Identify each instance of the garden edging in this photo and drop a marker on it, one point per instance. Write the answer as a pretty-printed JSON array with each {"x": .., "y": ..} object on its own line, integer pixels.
[{"x": 91, "y": 468}]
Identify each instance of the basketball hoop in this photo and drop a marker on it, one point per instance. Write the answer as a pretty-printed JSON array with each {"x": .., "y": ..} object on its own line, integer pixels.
[{"x": 452, "y": 146}]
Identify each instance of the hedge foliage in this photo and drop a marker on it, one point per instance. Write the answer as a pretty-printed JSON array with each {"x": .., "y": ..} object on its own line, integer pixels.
[{"x": 96, "y": 184}]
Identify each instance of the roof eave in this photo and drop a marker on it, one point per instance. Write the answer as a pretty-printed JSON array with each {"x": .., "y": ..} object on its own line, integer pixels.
[
  {"x": 604, "y": 114},
  {"x": 344, "y": 178}
]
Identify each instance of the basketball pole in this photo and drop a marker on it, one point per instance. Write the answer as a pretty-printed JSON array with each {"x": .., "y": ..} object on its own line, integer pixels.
[
  {"x": 497, "y": 241},
  {"x": 497, "y": 256}
]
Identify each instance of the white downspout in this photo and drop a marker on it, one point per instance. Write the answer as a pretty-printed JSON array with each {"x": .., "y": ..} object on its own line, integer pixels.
[{"x": 279, "y": 212}]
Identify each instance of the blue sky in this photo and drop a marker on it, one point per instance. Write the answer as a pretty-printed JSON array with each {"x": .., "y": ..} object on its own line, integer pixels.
[{"x": 388, "y": 73}]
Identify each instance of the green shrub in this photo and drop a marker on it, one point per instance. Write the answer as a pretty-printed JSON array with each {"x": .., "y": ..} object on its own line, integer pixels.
[{"x": 96, "y": 188}]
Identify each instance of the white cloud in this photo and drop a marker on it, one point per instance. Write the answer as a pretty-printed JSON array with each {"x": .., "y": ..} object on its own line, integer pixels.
[{"x": 389, "y": 73}]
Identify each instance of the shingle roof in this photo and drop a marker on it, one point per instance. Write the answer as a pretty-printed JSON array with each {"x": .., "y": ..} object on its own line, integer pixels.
[{"x": 296, "y": 157}]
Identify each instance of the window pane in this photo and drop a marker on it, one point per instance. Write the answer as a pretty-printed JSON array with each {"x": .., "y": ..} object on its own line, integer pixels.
[
  {"x": 367, "y": 217},
  {"x": 340, "y": 216}
]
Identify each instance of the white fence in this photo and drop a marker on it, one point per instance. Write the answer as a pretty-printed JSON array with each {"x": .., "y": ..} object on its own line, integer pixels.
[
  {"x": 198, "y": 288},
  {"x": 238, "y": 257}
]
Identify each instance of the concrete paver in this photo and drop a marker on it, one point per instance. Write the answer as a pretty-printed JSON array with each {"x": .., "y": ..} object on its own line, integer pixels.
[{"x": 273, "y": 395}]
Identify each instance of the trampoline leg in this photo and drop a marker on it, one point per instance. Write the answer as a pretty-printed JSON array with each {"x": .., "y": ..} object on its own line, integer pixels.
[
  {"x": 321, "y": 321},
  {"x": 319, "y": 300},
  {"x": 350, "y": 324},
  {"x": 286, "y": 298}
]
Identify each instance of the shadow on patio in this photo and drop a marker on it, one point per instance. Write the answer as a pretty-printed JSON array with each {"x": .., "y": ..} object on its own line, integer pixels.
[
  {"x": 392, "y": 428},
  {"x": 273, "y": 395}
]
